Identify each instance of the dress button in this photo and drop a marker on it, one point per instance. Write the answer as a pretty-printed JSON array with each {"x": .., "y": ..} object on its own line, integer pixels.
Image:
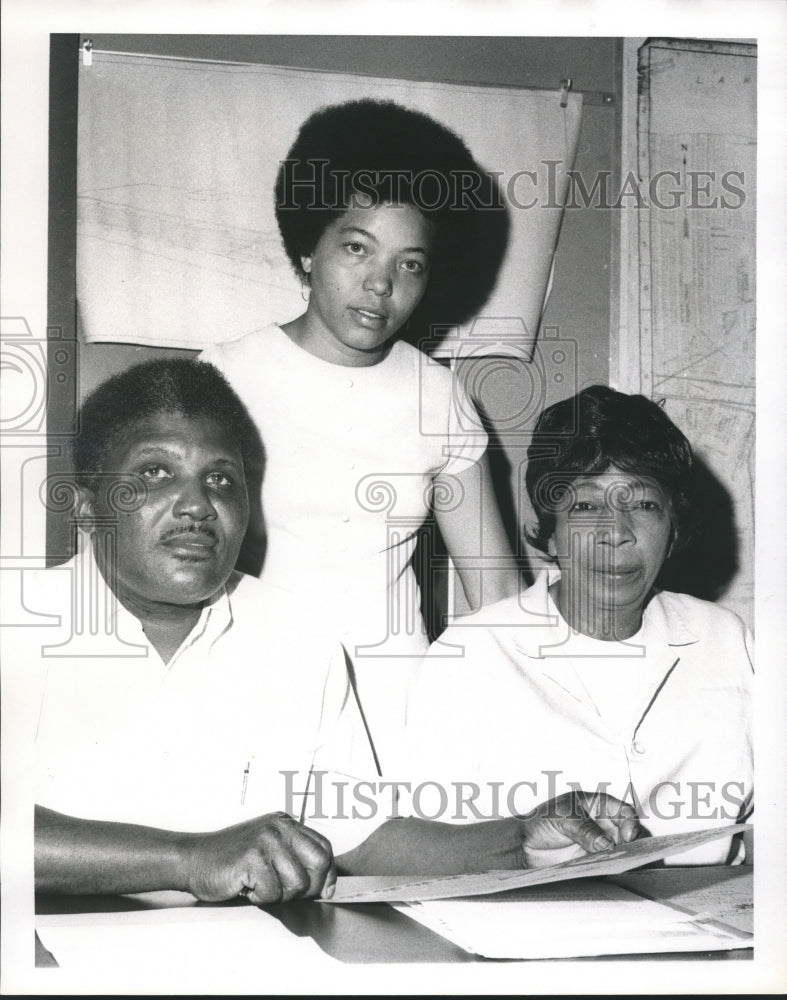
[
  {"x": 349, "y": 383},
  {"x": 345, "y": 518},
  {"x": 637, "y": 748}
]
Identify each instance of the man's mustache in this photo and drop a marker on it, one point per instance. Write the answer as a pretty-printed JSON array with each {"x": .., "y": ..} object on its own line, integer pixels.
[{"x": 191, "y": 529}]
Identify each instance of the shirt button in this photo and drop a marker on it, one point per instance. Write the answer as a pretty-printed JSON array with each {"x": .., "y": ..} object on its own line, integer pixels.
[
  {"x": 349, "y": 427},
  {"x": 637, "y": 748},
  {"x": 349, "y": 383},
  {"x": 345, "y": 518}
]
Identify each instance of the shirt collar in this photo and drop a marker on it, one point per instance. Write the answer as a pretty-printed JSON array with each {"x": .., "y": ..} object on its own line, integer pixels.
[
  {"x": 663, "y": 620},
  {"x": 540, "y": 626},
  {"x": 214, "y": 620}
]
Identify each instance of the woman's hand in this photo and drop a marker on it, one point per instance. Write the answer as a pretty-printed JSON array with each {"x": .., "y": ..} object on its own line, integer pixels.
[{"x": 574, "y": 824}]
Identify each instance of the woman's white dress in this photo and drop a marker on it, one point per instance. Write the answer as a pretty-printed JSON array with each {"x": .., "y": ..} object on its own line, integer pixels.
[{"x": 350, "y": 456}]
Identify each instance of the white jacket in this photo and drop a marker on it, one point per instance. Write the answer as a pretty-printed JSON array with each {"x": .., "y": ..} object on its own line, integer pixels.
[{"x": 506, "y": 702}]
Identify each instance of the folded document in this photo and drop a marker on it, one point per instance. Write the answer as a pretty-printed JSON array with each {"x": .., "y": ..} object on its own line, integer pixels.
[{"x": 617, "y": 859}]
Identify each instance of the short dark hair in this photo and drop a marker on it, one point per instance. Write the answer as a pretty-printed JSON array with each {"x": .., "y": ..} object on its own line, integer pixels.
[
  {"x": 180, "y": 385},
  {"x": 391, "y": 154},
  {"x": 599, "y": 428}
]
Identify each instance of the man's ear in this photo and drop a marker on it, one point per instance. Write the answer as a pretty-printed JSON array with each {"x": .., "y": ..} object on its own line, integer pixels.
[
  {"x": 84, "y": 505},
  {"x": 552, "y": 548}
]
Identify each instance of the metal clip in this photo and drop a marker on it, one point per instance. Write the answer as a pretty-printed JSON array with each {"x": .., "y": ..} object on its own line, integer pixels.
[
  {"x": 87, "y": 52},
  {"x": 565, "y": 87}
]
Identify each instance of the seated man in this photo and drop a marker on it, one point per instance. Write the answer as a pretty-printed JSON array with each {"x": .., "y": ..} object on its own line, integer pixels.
[
  {"x": 592, "y": 677},
  {"x": 180, "y": 705}
]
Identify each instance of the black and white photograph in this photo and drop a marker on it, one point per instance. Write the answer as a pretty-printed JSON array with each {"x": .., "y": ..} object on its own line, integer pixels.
[{"x": 392, "y": 442}]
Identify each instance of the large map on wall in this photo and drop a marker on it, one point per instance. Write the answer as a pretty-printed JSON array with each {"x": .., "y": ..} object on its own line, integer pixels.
[
  {"x": 177, "y": 244},
  {"x": 698, "y": 150}
]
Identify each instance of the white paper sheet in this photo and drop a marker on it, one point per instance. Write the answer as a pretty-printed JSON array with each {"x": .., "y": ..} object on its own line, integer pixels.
[{"x": 570, "y": 920}]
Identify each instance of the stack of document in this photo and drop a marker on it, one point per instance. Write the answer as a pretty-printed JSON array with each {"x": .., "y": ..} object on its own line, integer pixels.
[{"x": 574, "y": 919}]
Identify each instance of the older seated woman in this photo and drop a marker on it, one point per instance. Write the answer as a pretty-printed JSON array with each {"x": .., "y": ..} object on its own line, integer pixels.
[{"x": 593, "y": 677}]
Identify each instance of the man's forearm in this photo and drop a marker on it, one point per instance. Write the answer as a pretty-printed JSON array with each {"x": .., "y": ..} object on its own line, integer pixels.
[
  {"x": 79, "y": 856},
  {"x": 410, "y": 846}
]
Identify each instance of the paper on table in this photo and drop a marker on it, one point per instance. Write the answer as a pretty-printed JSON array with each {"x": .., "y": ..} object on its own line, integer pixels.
[
  {"x": 571, "y": 920},
  {"x": 617, "y": 859}
]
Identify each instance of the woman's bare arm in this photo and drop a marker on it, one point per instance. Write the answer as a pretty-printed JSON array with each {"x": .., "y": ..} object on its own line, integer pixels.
[{"x": 474, "y": 535}]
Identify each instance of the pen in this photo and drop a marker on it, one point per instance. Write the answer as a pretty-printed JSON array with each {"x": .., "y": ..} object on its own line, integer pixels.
[{"x": 245, "y": 782}]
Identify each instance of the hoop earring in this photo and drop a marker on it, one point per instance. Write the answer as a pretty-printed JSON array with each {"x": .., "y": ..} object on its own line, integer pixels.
[{"x": 306, "y": 289}]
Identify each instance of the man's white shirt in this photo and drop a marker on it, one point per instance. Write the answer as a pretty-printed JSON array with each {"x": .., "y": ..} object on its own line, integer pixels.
[{"x": 254, "y": 702}]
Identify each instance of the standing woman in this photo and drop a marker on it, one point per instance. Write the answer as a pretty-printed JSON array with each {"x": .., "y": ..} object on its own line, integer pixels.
[{"x": 363, "y": 433}]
